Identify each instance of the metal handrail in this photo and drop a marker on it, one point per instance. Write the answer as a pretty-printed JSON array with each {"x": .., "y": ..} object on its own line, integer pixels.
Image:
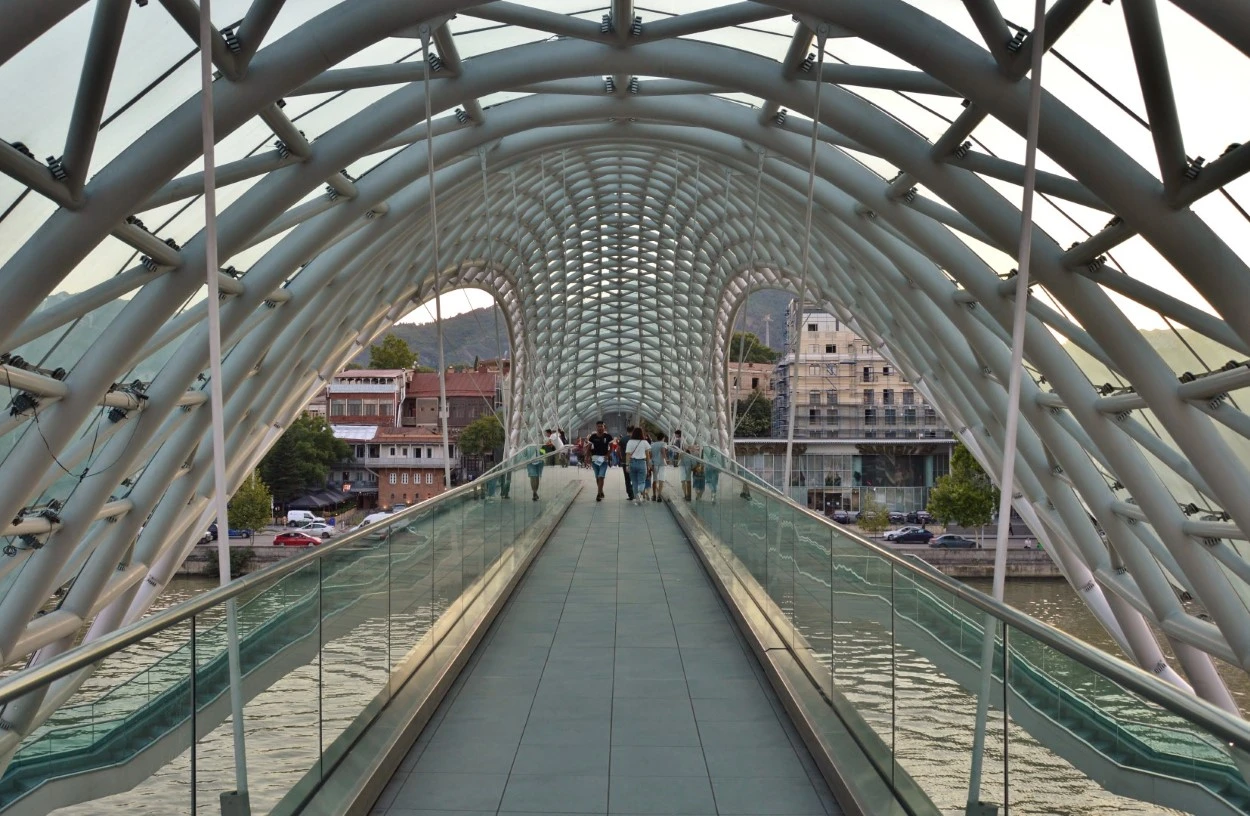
[
  {"x": 1234, "y": 730},
  {"x": 34, "y": 678}
]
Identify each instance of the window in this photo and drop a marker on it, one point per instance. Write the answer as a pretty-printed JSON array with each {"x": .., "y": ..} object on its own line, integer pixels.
[
  {"x": 867, "y": 349},
  {"x": 813, "y": 371},
  {"x": 429, "y": 477},
  {"x": 885, "y": 371},
  {"x": 403, "y": 451},
  {"x": 887, "y": 396},
  {"x": 831, "y": 416},
  {"x": 392, "y": 450},
  {"x": 347, "y": 476},
  {"x": 909, "y": 397},
  {"x": 371, "y": 409},
  {"x": 869, "y": 397},
  {"x": 813, "y": 348},
  {"x": 890, "y": 416},
  {"x": 403, "y": 477},
  {"x": 813, "y": 398},
  {"x": 755, "y": 383},
  {"x": 360, "y": 451},
  {"x": 390, "y": 479},
  {"x": 386, "y": 409},
  {"x": 735, "y": 382},
  {"x": 830, "y": 348},
  {"x": 416, "y": 452},
  {"x": 867, "y": 373},
  {"x": 870, "y": 416},
  {"x": 354, "y": 407},
  {"x": 909, "y": 416},
  {"x": 375, "y": 451},
  {"x": 930, "y": 417},
  {"x": 811, "y": 327},
  {"x": 813, "y": 416},
  {"x": 831, "y": 396},
  {"x": 338, "y": 407}
]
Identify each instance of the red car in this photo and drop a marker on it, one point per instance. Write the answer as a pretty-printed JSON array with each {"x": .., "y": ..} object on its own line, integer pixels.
[{"x": 295, "y": 540}]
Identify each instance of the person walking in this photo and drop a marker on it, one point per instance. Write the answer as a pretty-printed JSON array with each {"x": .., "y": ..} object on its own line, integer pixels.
[
  {"x": 658, "y": 454},
  {"x": 619, "y": 451},
  {"x": 711, "y": 471},
  {"x": 687, "y": 469},
  {"x": 535, "y": 468},
  {"x": 698, "y": 473},
  {"x": 636, "y": 451},
  {"x": 599, "y": 445}
]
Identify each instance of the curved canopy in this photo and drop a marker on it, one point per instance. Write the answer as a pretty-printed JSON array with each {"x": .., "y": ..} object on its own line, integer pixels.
[{"x": 620, "y": 178}]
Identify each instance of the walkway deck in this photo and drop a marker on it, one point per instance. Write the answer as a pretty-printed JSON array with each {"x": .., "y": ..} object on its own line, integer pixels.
[{"x": 613, "y": 682}]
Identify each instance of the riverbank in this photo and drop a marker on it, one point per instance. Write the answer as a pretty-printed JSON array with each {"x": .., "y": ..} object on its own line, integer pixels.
[{"x": 967, "y": 564}]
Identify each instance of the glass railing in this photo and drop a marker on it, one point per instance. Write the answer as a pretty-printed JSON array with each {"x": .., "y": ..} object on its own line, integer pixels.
[
  {"x": 326, "y": 639},
  {"x": 896, "y": 648}
]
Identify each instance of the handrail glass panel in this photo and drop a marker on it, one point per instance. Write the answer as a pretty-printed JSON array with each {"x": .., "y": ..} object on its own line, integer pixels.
[
  {"x": 897, "y": 650},
  {"x": 326, "y": 638}
]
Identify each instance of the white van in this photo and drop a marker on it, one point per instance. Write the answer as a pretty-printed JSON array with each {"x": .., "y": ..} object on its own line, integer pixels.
[
  {"x": 297, "y": 518},
  {"x": 372, "y": 518}
]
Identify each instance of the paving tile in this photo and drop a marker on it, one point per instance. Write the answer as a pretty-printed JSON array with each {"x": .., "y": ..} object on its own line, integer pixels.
[
  {"x": 764, "y": 760},
  {"x": 653, "y": 662},
  {"x": 661, "y": 794},
  {"x": 469, "y": 757},
  {"x": 657, "y": 688},
  {"x": 722, "y": 709},
  {"x": 556, "y": 793},
  {"x": 794, "y": 797},
  {"x": 568, "y": 732},
  {"x": 574, "y": 760},
  {"x": 658, "y": 760},
  {"x": 451, "y": 791}
]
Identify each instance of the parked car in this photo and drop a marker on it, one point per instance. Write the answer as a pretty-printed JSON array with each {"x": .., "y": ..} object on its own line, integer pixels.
[
  {"x": 919, "y": 517},
  {"x": 295, "y": 540},
  {"x": 212, "y": 532},
  {"x": 953, "y": 542},
  {"x": 890, "y": 535},
  {"x": 897, "y": 517},
  {"x": 316, "y": 528},
  {"x": 297, "y": 518},
  {"x": 913, "y": 537},
  {"x": 841, "y": 517}
]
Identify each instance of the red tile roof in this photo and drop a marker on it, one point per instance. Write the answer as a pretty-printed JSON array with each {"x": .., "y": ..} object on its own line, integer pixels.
[{"x": 467, "y": 384}]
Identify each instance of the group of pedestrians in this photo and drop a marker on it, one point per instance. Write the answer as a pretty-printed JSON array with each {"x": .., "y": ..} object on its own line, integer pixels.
[{"x": 645, "y": 460}]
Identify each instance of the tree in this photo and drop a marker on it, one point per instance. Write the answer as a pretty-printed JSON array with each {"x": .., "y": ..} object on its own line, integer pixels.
[
  {"x": 251, "y": 506},
  {"x": 482, "y": 435},
  {"x": 966, "y": 495},
  {"x": 747, "y": 347},
  {"x": 755, "y": 417},
  {"x": 392, "y": 352},
  {"x": 873, "y": 515},
  {"x": 302, "y": 457}
]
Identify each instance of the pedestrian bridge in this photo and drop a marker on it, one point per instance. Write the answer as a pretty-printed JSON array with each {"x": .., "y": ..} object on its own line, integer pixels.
[
  {"x": 487, "y": 653},
  {"x": 1039, "y": 220}
]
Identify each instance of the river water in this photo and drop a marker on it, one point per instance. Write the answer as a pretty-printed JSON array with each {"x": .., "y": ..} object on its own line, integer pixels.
[{"x": 928, "y": 726}]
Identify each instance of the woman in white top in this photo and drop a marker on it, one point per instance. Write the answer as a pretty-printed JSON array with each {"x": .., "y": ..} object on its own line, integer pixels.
[{"x": 636, "y": 450}]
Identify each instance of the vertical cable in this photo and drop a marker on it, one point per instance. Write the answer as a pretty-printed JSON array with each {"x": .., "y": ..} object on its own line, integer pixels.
[
  {"x": 490, "y": 265},
  {"x": 438, "y": 294},
  {"x": 755, "y": 223},
  {"x": 216, "y": 401},
  {"x": 1007, "y": 480},
  {"x": 821, "y": 32}
]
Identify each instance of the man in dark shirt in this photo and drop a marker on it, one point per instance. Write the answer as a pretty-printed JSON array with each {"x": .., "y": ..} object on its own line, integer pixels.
[
  {"x": 629, "y": 485},
  {"x": 600, "y": 443}
]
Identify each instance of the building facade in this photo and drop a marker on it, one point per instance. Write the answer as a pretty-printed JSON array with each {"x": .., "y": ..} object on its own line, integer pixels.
[
  {"x": 860, "y": 428},
  {"x": 390, "y": 419},
  {"x": 747, "y": 378}
]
